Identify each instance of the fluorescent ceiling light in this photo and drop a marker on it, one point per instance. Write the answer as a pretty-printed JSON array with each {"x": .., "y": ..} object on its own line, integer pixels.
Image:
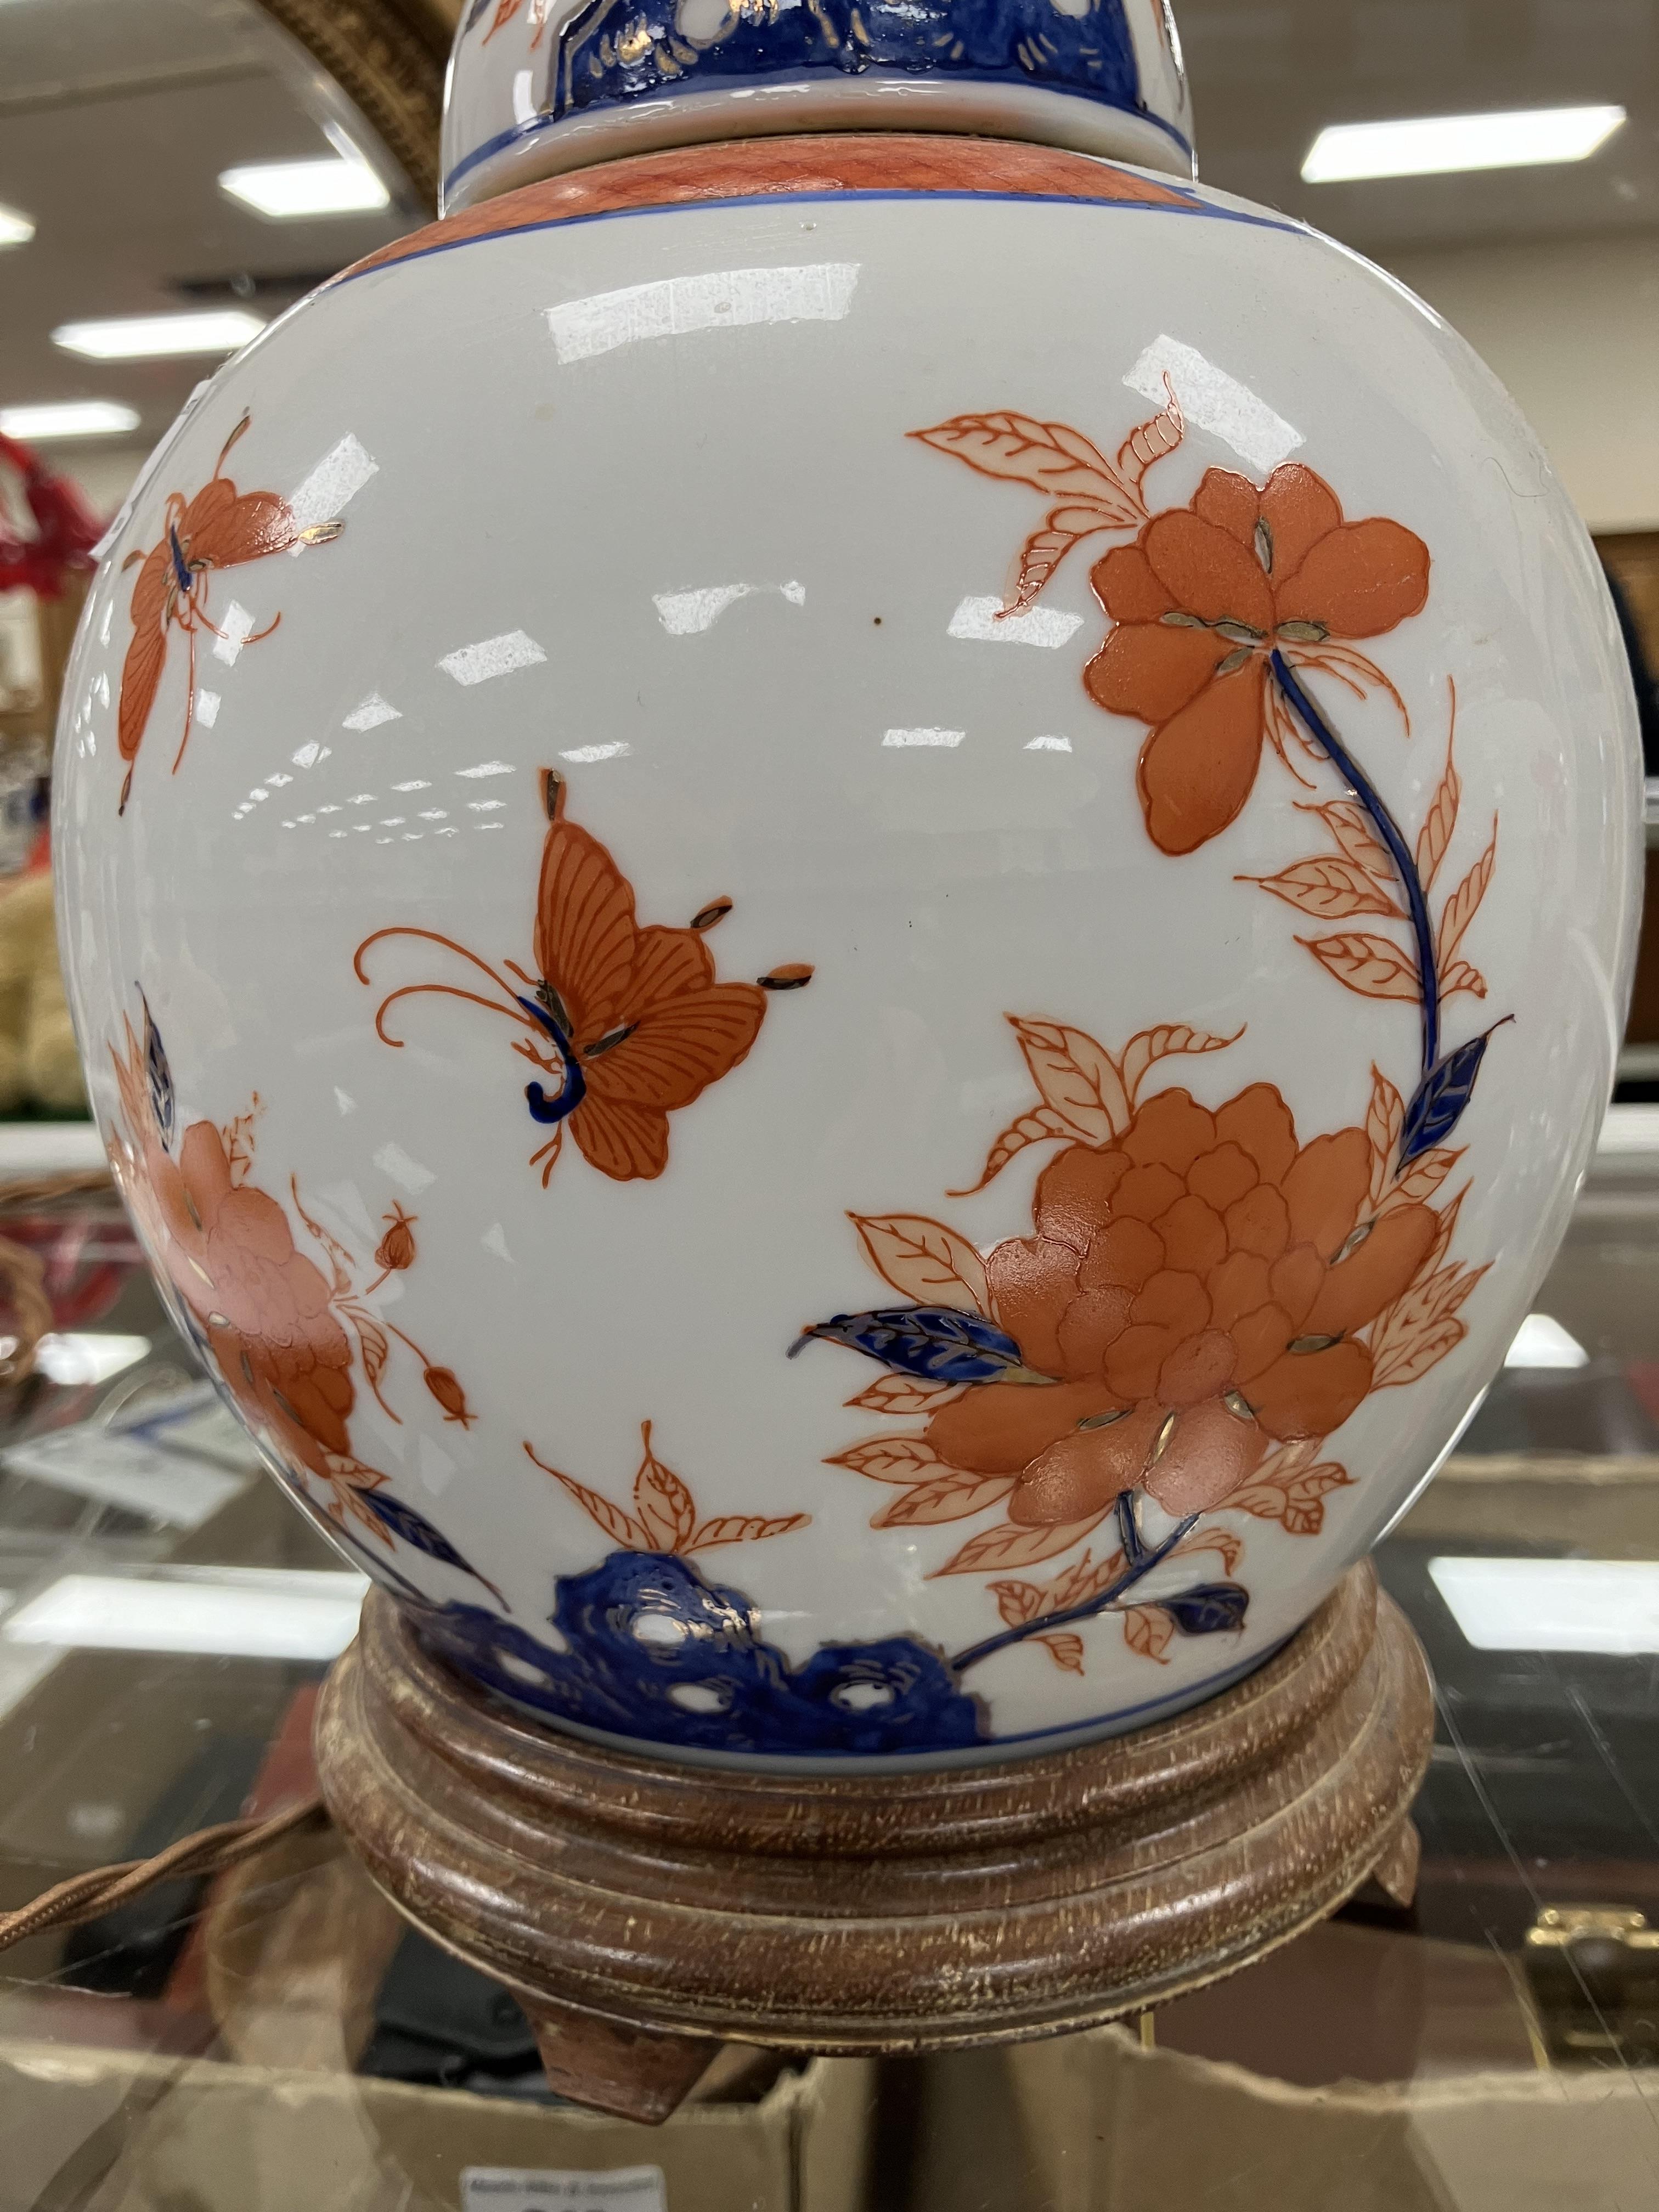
[
  {"x": 16, "y": 228},
  {"x": 1540, "y": 1341},
  {"x": 1552, "y": 1605},
  {"x": 273, "y": 1615},
  {"x": 290, "y": 191},
  {"x": 68, "y": 418},
  {"x": 155, "y": 337},
  {"x": 1438, "y": 145}
]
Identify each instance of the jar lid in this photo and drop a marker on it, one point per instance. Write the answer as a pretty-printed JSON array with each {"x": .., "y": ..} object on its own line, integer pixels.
[{"x": 536, "y": 86}]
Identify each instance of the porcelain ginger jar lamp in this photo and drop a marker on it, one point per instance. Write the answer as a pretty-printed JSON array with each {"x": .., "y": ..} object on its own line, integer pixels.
[{"x": 1069, "y": 820}]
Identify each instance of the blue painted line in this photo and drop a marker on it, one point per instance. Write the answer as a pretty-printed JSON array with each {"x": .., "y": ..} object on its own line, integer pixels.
[{"x": 1188, "y": 209}]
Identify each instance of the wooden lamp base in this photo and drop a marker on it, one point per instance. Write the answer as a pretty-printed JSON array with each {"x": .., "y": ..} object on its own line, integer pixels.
[{"x": 645, "y": 1912}]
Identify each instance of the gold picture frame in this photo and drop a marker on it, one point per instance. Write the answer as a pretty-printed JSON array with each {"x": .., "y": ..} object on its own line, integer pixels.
[{"x": 388, "y": 57}]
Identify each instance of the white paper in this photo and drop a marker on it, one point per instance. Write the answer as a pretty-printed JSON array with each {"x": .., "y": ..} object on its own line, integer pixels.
[
  {"x": 525, "y": 2189},
  {"x": 178, "y": 1459}
]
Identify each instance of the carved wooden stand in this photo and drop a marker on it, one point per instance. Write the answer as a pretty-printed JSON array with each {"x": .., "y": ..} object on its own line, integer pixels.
[{"x": 644, "y": 1911}]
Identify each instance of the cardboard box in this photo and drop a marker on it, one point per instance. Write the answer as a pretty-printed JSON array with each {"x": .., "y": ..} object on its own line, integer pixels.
[
  {"x": 1096, "y": 2123},
  {"x": 117, "y": 2131}
]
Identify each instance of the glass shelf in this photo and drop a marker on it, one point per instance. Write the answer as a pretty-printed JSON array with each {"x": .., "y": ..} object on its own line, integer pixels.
[{"x": 210, "y": 2044}]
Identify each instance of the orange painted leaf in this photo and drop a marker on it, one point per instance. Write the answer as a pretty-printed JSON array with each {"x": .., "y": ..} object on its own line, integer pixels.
[
  {"x": 1226, "y": 1543},
  {"x": 1437, "y": 831},
  {"x": 1018, "y": 1602},
  {"x": 1444, "y": 1234},
  {"x": 1149, "y": 442},
  {"x": 1065, "y": 1648},
  {"x": 1371, "y": 966},
  {"x": 1422, "y": 1178},
  {"x": 238, "y": 1142},
  {"x": 901, "y": 1393},
  {"x": 925, "y": 1260},
  {"x": 1285, "y": 730},
  {"x": 1294, "y": 1498},
  {"x": 1435, "y": 1296},
  {"x": 339, "y": 1258},
  {"x": 1384, "y": 1118},
  {"x": 1007, "y": 1546},
  {"x": 1430, "y": 1301},
  {"x": 1455, "y": 1293},
  {"x": 1034, "y": 1128},
  {"x": 1083, "y": 1580},
  {"x": 620, "y": 1527},
  {"x": 1459, "y": 976},
  {"x": 1329, "y": 890},
  {"x": 1412, "y": 1354},
  {"x": 375, "y": 1347},
  {"x": 1076, "y": 1077},
  {"x": 1465, "y": 901},
  {"x": 947, "y": 1497},
  {"x": 743, "y": 1529},
  {"x": 1264, "y": 1500},
  {"x": 1288, "y": 1461},
  {"x": 1305, "y": 1512},
  {"x": 1049, "y": 456},
  {"x": 1045, "y": 549},
  {"x": 342, "y": 1468},
  {"x": 890, "y": 1459},
  {"x": 1147, "y": 1047},
  {"x": 1351, "y": 827},
  {"x": 1147, "y": 1630},
  {"x": 662, "y": 1502}
]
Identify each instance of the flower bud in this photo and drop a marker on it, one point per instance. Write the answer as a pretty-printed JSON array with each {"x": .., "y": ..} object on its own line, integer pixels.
[
  {"x": 396, "y": 1249},
  {"x": 445, "y": 1387}
]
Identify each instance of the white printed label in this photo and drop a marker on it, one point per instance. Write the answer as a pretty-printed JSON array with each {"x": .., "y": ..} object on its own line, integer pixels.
[
  {"x": 523, "y": 2189},
  {"x": 132, "y": 1471}
]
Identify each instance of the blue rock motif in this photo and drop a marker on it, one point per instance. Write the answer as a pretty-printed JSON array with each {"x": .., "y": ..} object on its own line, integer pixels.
[{"x": 653, "y": 1650}]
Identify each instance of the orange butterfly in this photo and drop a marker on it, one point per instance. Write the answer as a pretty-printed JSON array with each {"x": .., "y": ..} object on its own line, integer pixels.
[
  {"x": 629, "y": 1021},
  {"x": 219, "y": 528}
]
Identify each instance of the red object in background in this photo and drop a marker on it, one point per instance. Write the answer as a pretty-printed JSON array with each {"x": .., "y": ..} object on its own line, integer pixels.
[
  {"x": 87, "y": 1261},
  {"x": 65, "y": 529},
  {"x": 1643, "y": 1376}
]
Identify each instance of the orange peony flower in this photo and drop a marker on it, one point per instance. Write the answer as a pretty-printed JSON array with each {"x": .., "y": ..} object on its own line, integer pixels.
[
  {"x": 262, "y": 1307},
  {"x": 1194, "y": 1294},
  {"x": 1203, "y": 598}
]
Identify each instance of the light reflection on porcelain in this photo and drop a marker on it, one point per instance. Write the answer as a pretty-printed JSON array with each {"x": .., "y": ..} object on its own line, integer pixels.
[{"x": 1300, "y": 849}]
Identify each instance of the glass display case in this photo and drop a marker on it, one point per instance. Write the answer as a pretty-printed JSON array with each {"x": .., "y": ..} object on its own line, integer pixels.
[
  {"x": 276, "y": 2038},
  {"x": 166, "y": 1620}
]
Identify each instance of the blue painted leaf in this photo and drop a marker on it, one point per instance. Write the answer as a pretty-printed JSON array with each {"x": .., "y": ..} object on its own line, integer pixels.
[
  {"x": 415, "y": 1529},
  {"x": 1439, "y": 1104},
  {"x": 159, "y": 1073},
  {"x": 1209, "y": 1609},
  {"x": 935, "y": 1342}
]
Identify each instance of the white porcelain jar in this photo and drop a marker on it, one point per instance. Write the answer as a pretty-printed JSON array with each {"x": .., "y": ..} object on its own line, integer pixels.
[
  {"x": 1069, "y": 828},
  {"x": 538, "y": 86}
]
